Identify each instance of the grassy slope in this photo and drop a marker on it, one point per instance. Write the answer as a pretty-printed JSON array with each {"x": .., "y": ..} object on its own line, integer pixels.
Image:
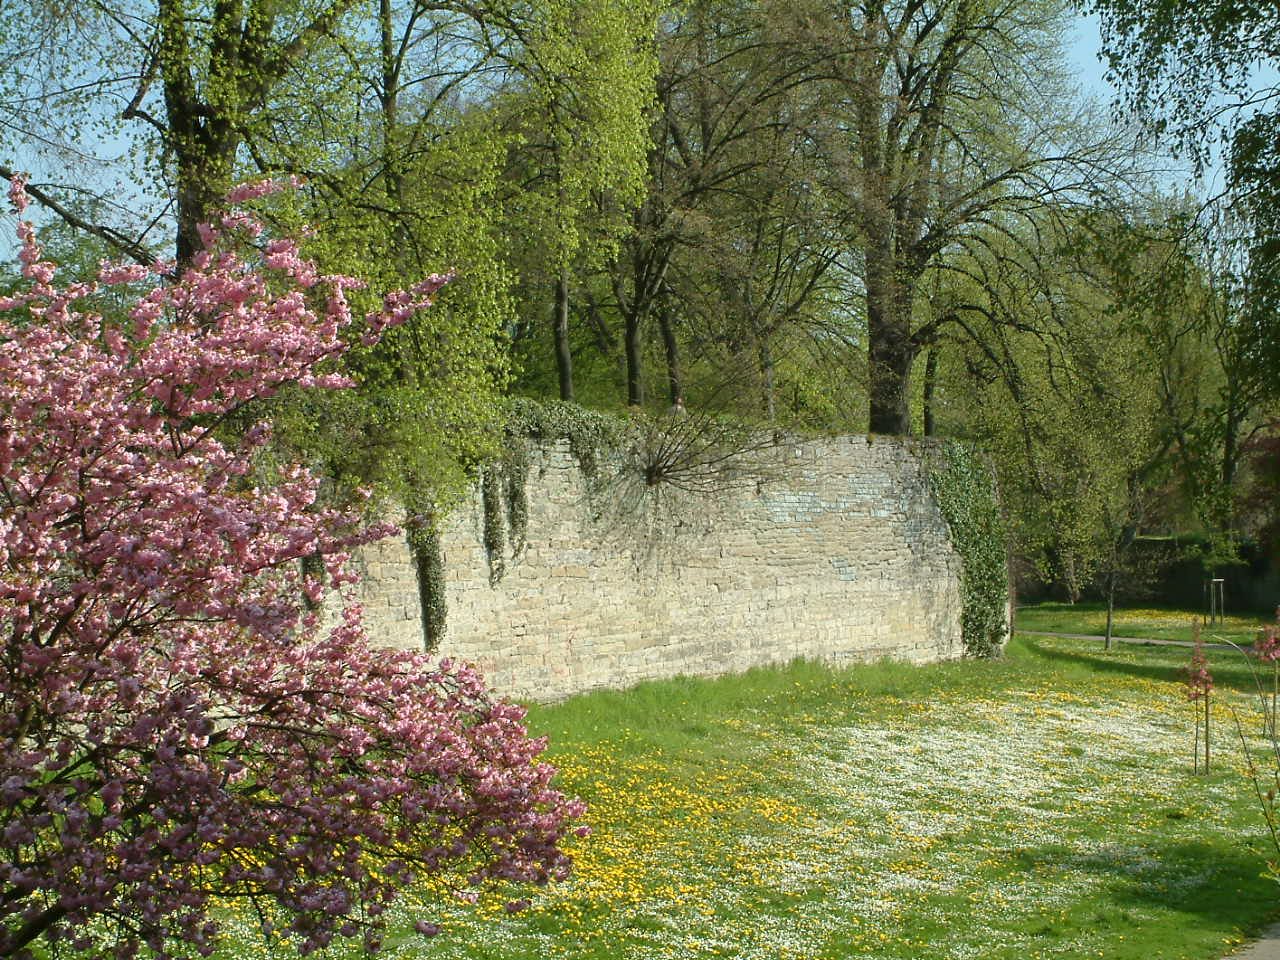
[{"x": 1041, "y": 806}]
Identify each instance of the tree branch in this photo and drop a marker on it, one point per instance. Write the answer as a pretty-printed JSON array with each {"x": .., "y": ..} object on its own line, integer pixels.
[{"x": 118, "y": 241}]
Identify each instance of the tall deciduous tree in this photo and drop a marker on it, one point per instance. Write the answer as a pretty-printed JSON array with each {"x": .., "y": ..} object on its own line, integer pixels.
[
  {"x": 544, "y": 106},
  {"x": 409, "y": 181},
  {"x": 950, "y": 124},
  {"x": 1201, "y": 75},
  {"x": 583, "y": 128},
  {"x": 1225, "y": 386},
  {"x": 730, "y": 244},
  {"x": 203, "y": 80}
]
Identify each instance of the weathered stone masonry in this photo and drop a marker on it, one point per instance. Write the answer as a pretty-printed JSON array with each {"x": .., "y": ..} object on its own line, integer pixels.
[{"x": 837, "y": 552}]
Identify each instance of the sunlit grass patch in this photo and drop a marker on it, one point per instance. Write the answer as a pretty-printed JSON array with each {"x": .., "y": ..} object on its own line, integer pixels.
[
  {"x": 1154, "y": 622},
  {"x": 1042, "y": 806}
]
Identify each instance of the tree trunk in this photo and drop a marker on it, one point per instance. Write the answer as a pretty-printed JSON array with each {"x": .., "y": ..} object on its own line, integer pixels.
[
  {"x": 202, "y": 140},
  {"x": 1230, "y": 464},
  {"x": 890, "y": 349},
  {"x": 1070, "y": 583},
  {"x": 634, "y": 345},
  {"x": 889, "y": 361},
  {"x": 192, "y": 210},
  {"x": 1111, "y": 607},
  {"x": 389, "y": 98},
  {"x": 203, "y": 156},
  {"x": 671, "y": 347},
  {"x": 767, "y": 380},
  {"x": 564, "y": 358},
  {"x": 606, "y": 343},
  {"x": 930, "y": 383}
]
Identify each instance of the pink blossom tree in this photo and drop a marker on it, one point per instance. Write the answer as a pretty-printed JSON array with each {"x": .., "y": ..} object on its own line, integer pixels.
[{"x": 175, "y": 725}]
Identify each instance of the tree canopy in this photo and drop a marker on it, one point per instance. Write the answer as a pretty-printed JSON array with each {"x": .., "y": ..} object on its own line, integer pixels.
[{"x": 809, "y": 215}]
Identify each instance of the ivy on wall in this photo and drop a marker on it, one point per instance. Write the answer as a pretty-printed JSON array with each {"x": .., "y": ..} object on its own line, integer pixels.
[
  {"x": 589, "y": 433},
  {"x": 965, "y": 490},
  {"x": 515, "y": 471},
  {"x": 423, "y": 534},
  {"x": 504, "y": 482},
  {"x": 495, "y": 537}
]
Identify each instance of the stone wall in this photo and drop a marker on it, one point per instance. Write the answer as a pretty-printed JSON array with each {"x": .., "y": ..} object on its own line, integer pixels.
[{"x": 834, "y": 550}]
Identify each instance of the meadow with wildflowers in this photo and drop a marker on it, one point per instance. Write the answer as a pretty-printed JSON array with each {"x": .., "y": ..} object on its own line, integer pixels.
[{"x": 1039, "y": 806}]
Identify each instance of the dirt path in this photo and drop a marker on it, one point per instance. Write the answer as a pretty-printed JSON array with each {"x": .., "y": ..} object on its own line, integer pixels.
[{"x": 1266, "y": 947}]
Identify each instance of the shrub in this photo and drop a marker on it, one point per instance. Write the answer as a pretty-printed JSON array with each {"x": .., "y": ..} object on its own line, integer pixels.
[{"x": 175, "y": 724}]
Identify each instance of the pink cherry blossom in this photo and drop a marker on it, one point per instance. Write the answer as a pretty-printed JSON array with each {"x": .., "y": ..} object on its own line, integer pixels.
[
  {"x": 18, "y": 199},
  {"x": 1267, "y": 645},
  {"x": 174, "y": 722}
]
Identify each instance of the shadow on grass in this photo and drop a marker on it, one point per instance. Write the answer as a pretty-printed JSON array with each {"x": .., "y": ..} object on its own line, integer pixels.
[
  {"x": 1230, "y": 669},
  {"x": 1223, "y": 885}
]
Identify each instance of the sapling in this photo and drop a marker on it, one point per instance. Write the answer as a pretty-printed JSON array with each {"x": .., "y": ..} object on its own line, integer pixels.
[
  {"x": 1199, "y": 691},
  {"x": 1266, "y": 783},
  {"x": 1267, "y": 650}
]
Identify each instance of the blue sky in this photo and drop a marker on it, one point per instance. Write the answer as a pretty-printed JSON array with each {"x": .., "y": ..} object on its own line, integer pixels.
[{"x": 1082, "y": 50}]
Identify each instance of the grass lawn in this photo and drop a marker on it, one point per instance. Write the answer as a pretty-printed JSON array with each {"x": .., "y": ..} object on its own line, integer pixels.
[
  {"x": 1159, "y": 623},
  {"x": 1039, "y": 806}
]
